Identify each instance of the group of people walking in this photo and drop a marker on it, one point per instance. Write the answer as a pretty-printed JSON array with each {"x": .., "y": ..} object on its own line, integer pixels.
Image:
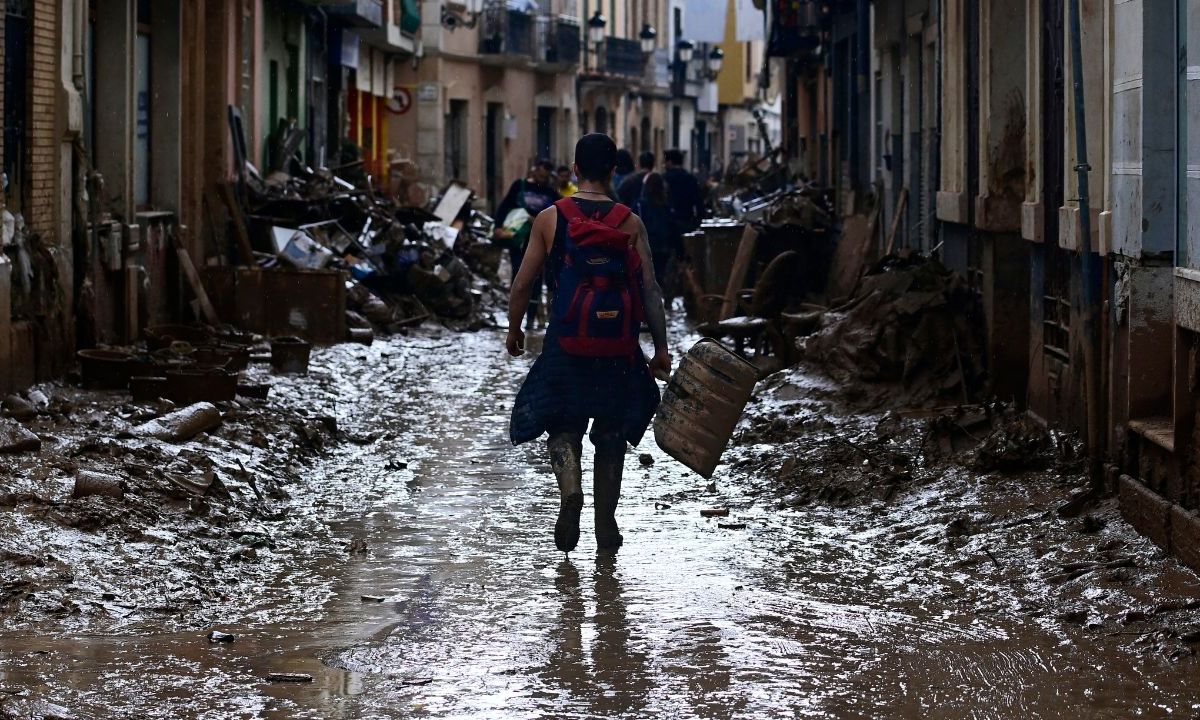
[{"x": 670, "y": 203}]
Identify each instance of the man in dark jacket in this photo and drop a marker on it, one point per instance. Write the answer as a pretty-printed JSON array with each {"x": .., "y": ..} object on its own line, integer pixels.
[
  {"x": 534, "y": 194},
  {"x": 683, "y": 190},
  {"x": 631, "y": 188}
]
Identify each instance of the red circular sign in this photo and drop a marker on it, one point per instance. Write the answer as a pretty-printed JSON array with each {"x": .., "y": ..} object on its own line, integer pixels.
[{"x": 400, "y": 102}]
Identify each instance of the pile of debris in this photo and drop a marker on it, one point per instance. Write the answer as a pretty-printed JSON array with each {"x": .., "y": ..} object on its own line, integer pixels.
[
  {"x": 911, "y": 325},
  {"x": 406, "y": 263}
]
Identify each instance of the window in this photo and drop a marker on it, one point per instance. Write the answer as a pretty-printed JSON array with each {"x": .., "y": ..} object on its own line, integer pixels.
[
  {"x": 456, "y": 140},
  {"x": 16, "y": 95}
]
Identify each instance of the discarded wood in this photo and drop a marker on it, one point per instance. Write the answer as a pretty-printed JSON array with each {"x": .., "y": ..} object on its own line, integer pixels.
[
  {"x": 193, "y": 278},
  {"x": 731, "y": 525},
  {"x": 850, "y": 256},
  {"x": 89, "y": 483},
  {"x": 216, "y": 636},
  {"x": 714, "y": 512},
  {"x": 245, "y": 249},
  {"x": 290, "y": 677},
  {"x": 183, "y": 424},
  {"x": 741, "y": 266},
  {"x": 901, "y": 204}
]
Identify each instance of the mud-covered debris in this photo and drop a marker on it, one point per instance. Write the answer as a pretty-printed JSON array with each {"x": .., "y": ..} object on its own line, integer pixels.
[
  {"x": 372, "y": 598},
  {"x": 910, "y": 322},
  {"x": 1015, "y": 444},
  {"x": 357, "y": 546},
  {"x": 14, "y": 438},
  {"x": 731, "y": 525},
  {"x": 183, "y": 424},
  {"x": 216, "y": 636},
  {"x": 646, "y": 459},
  {"x": 714, "y": 512},
  {"x": 19, "y": 409},
  {"x": 290, "y": 677},
  {"x": 88, "y": 483},
  {"x": 197, "y": 485},
  {"x": 661, "y": 506},
  {"x": 39, "y": 400}
]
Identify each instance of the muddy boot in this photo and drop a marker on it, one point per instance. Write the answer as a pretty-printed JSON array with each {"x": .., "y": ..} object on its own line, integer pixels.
[
  {"x": 610, "y": 464},
  {"x": 565, "y": 457}
]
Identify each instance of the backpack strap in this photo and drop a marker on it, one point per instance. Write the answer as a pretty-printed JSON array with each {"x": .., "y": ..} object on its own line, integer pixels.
[
  {"x": 616, "y": 215},
  {"x": 569, "y": 209}
]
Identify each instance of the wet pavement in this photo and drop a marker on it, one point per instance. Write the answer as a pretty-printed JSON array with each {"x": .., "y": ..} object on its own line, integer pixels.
[{"x": 452, "y": 601}]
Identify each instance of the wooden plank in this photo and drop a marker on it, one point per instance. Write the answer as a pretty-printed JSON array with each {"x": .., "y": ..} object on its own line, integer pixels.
[
  {"x": 245, "y": 249},
  {"x": 850, "y": 256},
  {"x": 133, "y": 277},
  {"x": 193, "y": 278},
  {"x": 901, "y": 204},
  {"x": 741, "y": 266}
]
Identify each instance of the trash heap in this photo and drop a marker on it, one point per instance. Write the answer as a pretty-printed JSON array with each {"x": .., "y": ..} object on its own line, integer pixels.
[
  {"x": 910, "y": 324},
  {"x": 406, "y": 263}
]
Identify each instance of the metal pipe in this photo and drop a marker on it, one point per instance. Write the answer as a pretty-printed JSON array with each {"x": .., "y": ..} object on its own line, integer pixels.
[
  {"x": 79, "y": 15},
  {"x": 1087, "y": 263}
]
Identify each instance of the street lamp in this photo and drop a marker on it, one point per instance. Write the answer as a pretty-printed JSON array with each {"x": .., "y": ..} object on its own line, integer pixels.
[
  {"x": 685, "y": 48},
  {"x": 715, "y": 60},
  {"x": 648, "y": 36},
  {"x": 596, "y": 25}
]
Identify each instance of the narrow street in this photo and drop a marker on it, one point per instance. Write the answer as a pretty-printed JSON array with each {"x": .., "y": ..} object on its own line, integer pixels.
[{"x": 461, "y": 607}]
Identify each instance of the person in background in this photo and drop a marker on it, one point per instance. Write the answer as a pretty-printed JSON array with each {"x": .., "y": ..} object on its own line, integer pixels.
[
  {"x": 683, "y": 192},
  {"x": 664, "y": 233},
  {"x": 566, "y": 188},
  {"x": 630, "y": 190},
  {"x": 525, "y": 199},
  {"x": 624, "y": 168}
]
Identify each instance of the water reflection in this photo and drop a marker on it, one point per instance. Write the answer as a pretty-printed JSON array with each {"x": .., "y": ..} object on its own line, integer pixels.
[{"x": 596, "y": 667}]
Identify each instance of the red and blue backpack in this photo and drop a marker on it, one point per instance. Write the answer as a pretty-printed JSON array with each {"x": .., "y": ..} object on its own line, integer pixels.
[{"x": 598, "y": 309}]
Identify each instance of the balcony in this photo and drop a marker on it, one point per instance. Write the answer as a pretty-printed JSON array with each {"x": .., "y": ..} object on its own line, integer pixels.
[
  {"x": 657, "y": 75},
  {"x": 558, "y": 41},
  {"x": 355, "y": 13},
  {"x": 506, "y": 32},
  {"x": 619, "y": 56}
]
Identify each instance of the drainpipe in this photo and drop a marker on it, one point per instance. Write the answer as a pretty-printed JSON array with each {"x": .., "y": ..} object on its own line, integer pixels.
[
  {"x": 862, "y": 62},
  {"x": 77, "y": 44},
  {"x": 1087, "y": 263}
]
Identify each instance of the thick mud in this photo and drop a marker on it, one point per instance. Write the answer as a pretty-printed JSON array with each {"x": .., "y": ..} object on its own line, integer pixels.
[{"x": 411, "y": 572}]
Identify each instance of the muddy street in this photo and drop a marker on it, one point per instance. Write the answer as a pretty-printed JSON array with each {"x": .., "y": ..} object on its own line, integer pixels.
[{"x": 424, "y": 583}]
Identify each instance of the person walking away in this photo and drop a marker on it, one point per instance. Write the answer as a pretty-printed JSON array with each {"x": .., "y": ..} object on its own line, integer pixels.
[
  {"x": 592, "y": 367},
  {"x": 525, "y": 199},
  {"x": 624, "y": 168},
  {"x": 683, "y": 190},
  {"x": 630, "y": 190},
  {"x": 565, "y": 187},
  {"x": 665, "y": 237}
]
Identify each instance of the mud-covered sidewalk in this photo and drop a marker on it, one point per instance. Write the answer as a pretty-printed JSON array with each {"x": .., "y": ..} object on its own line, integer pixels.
[{"x": 372, "y": 529}]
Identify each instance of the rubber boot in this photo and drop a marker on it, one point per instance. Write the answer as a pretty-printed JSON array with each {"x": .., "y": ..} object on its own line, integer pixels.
[
  {"x": 566, "y": 451},
  {"x": 610, "y": 465}
]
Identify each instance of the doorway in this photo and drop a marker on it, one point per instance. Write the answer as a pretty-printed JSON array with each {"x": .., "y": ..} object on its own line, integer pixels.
[{"x": 492, "y": 164}]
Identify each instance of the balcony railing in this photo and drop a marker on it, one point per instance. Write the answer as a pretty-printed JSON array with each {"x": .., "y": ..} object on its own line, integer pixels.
[
  {"x": 558, "y": 41},
  {"x": 619, "y": 56},
  {"x": 505, "y": 31},
  {"x": 359, "y": 13},
  {"x": 658, "y": 70}
]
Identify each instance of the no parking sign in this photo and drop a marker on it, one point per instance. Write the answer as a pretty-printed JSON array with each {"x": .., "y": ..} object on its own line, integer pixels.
[{"x": 400, "y": 102}]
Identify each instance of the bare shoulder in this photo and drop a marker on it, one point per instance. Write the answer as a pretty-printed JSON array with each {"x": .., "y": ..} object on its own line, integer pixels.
[
  {"x": 633, "y": 224},
  {"x": 547, "y": 216}
]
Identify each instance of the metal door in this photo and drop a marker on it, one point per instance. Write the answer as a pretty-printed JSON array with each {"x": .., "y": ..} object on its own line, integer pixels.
[{"x": 1056, "y": 300}]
